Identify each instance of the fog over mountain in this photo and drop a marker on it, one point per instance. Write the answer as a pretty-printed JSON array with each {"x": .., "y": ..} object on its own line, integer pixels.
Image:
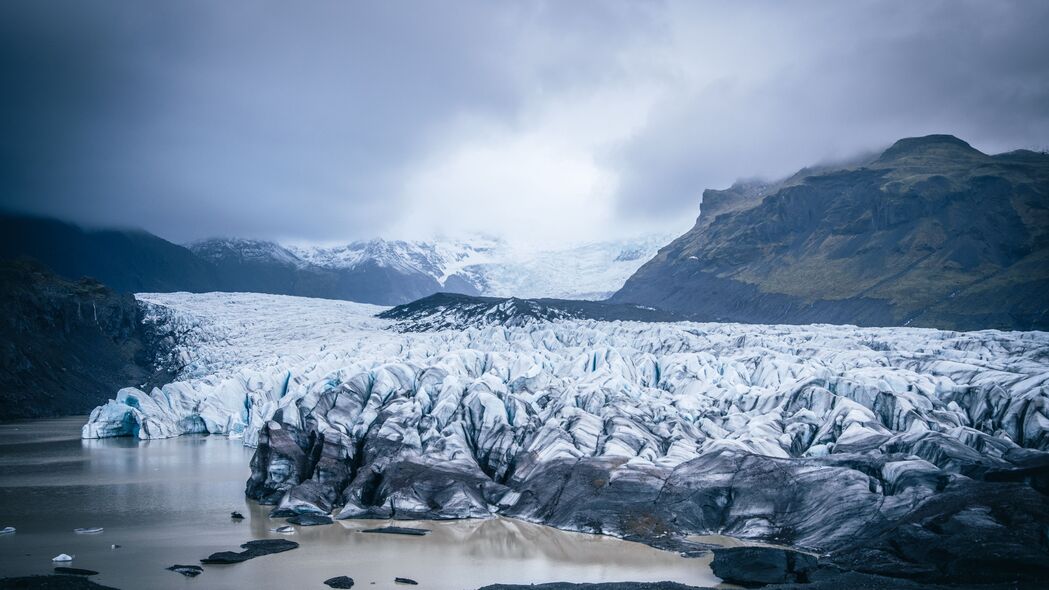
[{"x": 536, "y": 122}]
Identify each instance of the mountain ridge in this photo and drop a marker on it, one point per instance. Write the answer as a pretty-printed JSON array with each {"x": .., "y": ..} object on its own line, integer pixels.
[
  {"x": 930, "y": 233},
  {"x": 378, "y": 271}
]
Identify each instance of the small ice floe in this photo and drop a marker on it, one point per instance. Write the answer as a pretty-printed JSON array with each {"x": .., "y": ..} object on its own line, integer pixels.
[
  {"x": 284, "y": 530},
  {"x": 88, "y": 530},
  {"x": 62, "y": 557},
  {"x": 114, "y": 546},
  {"x": 7, "y": 530}
]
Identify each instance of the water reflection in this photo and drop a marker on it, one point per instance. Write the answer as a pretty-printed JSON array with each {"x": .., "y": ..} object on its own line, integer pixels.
[{"x": 169, "y": 501}]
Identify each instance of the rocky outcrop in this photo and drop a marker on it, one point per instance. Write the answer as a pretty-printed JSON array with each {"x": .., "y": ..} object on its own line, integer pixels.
[
  {"x": 67, "y": 346},
  {"x": 450, "y": 311},
  {"x": 930, "y": 233}
]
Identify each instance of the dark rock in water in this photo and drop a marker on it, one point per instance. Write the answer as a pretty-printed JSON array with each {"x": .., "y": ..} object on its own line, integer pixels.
[
  {"x": 398, "y": 530},
  {"x": 252, "y": 549},
  {"x": 406, "y": 581},
  {"x": 190, "y": 571},
  {"x": 236, "y": 515},
  {"x": 757, "y": 566},
  {"x": 340, "y": 582},
  {"x": 75, "y": 571},
  {"x": 54, "y": 582},
  {"x": 310, "y": 519}
]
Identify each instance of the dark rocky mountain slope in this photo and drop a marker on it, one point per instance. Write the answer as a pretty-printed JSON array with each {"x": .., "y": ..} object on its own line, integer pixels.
[
  {"x": 259, "y": 266},
  {"x": 444, "y": 311},
  {"x": 136, "y": 261},
  {"x": 66, "y": 347},
  {"x": 125, "y": 260},
  {"x": 931, "y": 232}
]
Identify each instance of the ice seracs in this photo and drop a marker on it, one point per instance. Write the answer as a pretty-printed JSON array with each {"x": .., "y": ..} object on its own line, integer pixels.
[{"x": 662, "y": 392}]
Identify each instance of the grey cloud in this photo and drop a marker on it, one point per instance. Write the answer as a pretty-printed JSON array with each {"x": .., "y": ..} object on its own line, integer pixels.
[
  {"x": 262, "y": 119},
  {"x": 855, "y": 76}
]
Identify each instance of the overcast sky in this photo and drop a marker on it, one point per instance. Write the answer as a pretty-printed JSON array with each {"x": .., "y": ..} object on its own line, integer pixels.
[{"x": 539, "y": 121}]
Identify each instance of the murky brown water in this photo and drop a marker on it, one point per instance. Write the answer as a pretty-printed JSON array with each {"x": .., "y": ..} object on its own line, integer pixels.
[{"x": 169, "y": 501}]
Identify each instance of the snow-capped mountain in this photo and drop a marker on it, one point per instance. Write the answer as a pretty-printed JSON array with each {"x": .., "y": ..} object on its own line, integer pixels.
[{"x": 397, "y": 271}]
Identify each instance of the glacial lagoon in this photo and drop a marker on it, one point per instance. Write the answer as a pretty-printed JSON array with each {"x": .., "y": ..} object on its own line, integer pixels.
[{"x": 169, "y": 501}]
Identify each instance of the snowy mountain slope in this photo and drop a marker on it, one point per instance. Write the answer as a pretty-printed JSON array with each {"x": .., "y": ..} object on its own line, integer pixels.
[
  {"x": 381, "y": 272},
  {"x": 795, "y": 434},
  {"x": 412, "y": 269},
  {"x": 241, "y": 249}
]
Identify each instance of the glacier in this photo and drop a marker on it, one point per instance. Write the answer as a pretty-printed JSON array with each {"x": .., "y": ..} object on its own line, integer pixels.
[{"x": 826, "y": 437}]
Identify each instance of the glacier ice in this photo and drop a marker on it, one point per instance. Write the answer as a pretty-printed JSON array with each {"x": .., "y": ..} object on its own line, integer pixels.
[
  {"x": 819, "y": 436},
  {"x": 659, "y": 392}
]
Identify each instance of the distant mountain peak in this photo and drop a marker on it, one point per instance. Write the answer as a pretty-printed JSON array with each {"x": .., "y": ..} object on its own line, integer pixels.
[{"x": 939, "y": 144}]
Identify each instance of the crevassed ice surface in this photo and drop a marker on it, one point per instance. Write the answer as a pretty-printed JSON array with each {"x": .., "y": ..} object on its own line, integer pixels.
[{"x": 659, "y": 393}]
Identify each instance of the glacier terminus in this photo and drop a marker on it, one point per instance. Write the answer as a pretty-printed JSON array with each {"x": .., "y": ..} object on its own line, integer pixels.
[{"x": 823, "y": 437}]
